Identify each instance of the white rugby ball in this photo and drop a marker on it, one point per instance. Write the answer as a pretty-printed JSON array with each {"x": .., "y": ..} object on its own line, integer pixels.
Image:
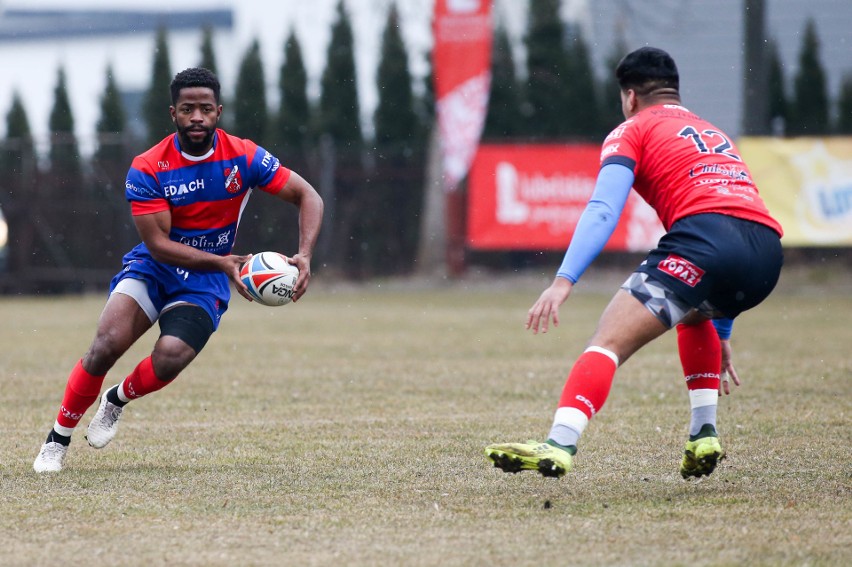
[{"x": 270, "y": 278}]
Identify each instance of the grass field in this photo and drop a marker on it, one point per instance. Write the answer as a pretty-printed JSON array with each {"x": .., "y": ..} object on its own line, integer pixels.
[{"x": 349, "y": 430}]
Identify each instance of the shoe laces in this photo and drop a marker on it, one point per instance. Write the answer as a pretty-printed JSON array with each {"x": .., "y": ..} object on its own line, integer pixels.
[
  {"x": 53, "y": 450},
  {"x": 111, "y": 414}
]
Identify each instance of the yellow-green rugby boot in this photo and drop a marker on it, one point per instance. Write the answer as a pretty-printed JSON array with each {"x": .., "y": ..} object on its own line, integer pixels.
[
  {"x": 545, "y": 458},
  {"x": 701, "y": 455}
]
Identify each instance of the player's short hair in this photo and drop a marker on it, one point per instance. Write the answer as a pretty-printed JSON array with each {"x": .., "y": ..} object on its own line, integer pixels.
[
  {"x": 647, "y": 69},
  {"x": 195, "y": 77}
]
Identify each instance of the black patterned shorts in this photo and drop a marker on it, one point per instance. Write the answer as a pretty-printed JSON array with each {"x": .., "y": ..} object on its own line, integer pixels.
[{"x": 717, "y": 264}]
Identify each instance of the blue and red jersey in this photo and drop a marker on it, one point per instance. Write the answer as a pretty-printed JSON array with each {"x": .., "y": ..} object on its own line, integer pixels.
[
  {"x": 206, "y": 195},
  {"x": 683, "y": 166}
]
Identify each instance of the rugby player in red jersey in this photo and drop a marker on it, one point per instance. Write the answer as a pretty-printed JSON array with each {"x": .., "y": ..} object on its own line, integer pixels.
[
  {"x": 720, "y": 256},
  {"x": 186, "y": 194}
]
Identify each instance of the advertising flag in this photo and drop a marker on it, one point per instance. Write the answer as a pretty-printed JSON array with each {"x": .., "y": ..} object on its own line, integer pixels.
[{"x": 462, "y": 77}]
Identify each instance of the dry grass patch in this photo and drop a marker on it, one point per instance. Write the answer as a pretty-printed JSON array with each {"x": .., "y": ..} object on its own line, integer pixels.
[{"x": 348, "y": 430}]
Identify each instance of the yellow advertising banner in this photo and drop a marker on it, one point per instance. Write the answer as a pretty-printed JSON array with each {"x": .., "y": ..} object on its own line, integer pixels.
[{"x": 807, "y": 185}]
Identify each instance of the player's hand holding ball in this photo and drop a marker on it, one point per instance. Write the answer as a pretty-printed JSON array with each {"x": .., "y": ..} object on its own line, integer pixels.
[
  {"x": 273, "y": 279},
  {"x": 302, "y": 262}
]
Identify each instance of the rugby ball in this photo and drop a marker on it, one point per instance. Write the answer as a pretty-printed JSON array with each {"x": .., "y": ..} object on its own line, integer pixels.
[{"x": 270, "y": 278}]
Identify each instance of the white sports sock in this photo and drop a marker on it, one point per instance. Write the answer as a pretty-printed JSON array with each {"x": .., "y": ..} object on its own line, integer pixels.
[
  {"x": 703, "y": 403},
  {"x": 568, "y": 425}
]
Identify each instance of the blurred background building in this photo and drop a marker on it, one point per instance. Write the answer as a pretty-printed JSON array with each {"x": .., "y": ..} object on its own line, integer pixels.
[
  {"x": 85, "y": 36},
  {"x": 62, "y": 58}
]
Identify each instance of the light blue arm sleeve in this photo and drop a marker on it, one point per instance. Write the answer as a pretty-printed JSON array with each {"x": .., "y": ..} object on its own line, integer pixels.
[
  {"x": 598, "y": 220},
  {"x": 724, "y": 327}
]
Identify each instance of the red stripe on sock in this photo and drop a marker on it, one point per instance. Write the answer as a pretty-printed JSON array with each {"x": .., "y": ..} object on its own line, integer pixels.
[
  {"x": 588, "y": 383},
  {"x": 142, "y": 381},
  {"x": 81, "y": 391},
  {"x": 700, "y": 355}
]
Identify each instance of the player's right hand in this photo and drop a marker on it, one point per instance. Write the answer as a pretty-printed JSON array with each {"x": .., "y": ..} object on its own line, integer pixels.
[
  {"x": 232, "y": 266},
  {"x": 547, "y": 306}
]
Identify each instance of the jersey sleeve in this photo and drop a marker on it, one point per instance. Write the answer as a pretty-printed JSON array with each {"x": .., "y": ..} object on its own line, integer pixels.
[
  {"x": 143, "y": 190},
  {"x": 597, "y": 222},
  {"x": 621, "y": 147},
  {"x": 265, "y": 171},
  {"x": 724, "y": 327}
]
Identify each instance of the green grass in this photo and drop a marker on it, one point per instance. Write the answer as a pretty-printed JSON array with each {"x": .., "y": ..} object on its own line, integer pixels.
[{"x": 349, "y": 430}]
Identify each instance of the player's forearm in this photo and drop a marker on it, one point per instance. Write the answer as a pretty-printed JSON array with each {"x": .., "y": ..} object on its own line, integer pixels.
[
  {"x": 310, "y": 221},
  {"x": 174, "y": 253},
  {"x": 598, "y": 221}
]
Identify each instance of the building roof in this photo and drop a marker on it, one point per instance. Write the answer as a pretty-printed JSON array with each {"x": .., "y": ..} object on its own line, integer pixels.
[{"x": 17, "y": 25}]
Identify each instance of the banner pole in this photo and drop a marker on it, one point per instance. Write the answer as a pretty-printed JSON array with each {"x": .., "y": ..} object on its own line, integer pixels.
[{"x": 432, "y": 248}]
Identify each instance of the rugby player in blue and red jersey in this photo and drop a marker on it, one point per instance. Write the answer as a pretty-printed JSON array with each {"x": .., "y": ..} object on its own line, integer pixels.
[
  {"x": 720, "y": 256},
  {"x": 186, "y": 195}
]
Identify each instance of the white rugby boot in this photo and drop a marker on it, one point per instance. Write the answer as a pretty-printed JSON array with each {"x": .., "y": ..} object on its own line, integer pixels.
[
  {"x": 105, "y": 423},
  {"x": 50, "y": 458}
]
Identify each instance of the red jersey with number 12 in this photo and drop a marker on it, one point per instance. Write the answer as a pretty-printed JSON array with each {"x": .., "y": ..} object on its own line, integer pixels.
[{"x": 684, "y": 166}]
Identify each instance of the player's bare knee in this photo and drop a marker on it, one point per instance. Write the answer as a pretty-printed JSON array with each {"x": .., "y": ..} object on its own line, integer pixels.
[
  {"x": 171, "y": 355},
  {"x": 103, "y": 353},
  {"x": 184, "y": 330}
]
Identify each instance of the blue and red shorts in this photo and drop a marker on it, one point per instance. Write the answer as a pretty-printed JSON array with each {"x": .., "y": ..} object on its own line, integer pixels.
[{"x": 170, "y": 285}]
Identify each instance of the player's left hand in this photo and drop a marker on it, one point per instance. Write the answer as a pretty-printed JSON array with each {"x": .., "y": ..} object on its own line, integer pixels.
[
  {"x": 728, "y": 371},
  {"x": 303, "y": 262}
]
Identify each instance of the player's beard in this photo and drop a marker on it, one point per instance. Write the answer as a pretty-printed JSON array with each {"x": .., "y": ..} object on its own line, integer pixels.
[{"x": 191, "y": 147}]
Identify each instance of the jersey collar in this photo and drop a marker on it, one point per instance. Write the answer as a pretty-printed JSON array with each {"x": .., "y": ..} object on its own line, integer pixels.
[{"x": 198, "y": 158}]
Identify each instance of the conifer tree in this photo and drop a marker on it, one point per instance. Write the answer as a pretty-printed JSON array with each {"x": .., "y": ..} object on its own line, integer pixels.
[
  {"x": 777, "y": 92},
  {"x": 809, "y": 112},
  {"x": 393, "y": 202},
  {"x": 251, "y": 113},
  {"x": 208, "y": 61},
  {"x": 288, "y": 140},
  {"x": 109, "y": 170},
  {"x": 581, "y": 115},
  {"x": 844, "y": 107},
  {"x": 155, "y": 106},
  {"x": 17, "y": 123},
  {"x": 339, "y": 109},
  {"x": 611, "y": 114},
  {"x": 208, "y": 55},
  {"x": 340, "y": 135},
  {"x": 111, "y": 124},
  {"x": 250, "y": 119},
  {"x": 63, "y": 186},
  {"x": 504, "y": 118},
  {"x": 548, "y": 84},
  {"x": 293, "y": 121},
  {"x": 64, "y": 153},
  {"x": 18, "y": 147},
  {"x": 17, "y": 192},
  {"x": 395, "y": 120},
  {"x": 426, "y": 101}
]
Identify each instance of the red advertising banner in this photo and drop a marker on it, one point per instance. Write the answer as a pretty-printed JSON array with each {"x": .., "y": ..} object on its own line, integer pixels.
[
  {"x": 530, "y": 197},
  {"x": 462, "y": 74}
]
